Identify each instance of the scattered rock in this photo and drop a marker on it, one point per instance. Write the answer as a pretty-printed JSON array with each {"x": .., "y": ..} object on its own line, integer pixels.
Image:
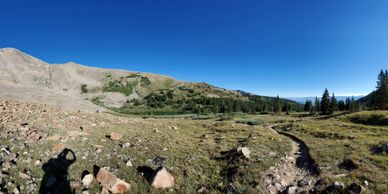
[
  {"x": 104, "y": 191},
  {"x": 87, "y": 180},
  {"x": 202, "y": 190},
  {"x": 163, "y": 179},
  {"x": 245, "y": 151},
  {"x": 126, "y": 145},
  {"x": 129, "y": 163},
  {"x": 116, "y": 136},
  {"x": 58, "y": 147},
  {"x": 37, "y": 162},
  {"x": 348, "y": 165},
  {"x": 54, "y": 138},
  {"x": 338, "y": 186},
  {"x": 292, "y": 190},
  {"x": 111, "y": 182}
]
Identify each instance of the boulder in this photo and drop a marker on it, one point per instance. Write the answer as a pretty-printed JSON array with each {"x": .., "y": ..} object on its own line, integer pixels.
[
  {"x": 87, "y": 180},
  {"x": 110, "y": 182},
  {"x": 244, "y": 151},
  {"x": 355, "y": 188},
  {"x": 163, "y": 179},
  {"x": 116, "y": 136}
]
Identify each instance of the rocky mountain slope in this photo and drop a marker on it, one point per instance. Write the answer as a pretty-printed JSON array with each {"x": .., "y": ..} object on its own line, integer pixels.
[{"x": 72, "y": 86}]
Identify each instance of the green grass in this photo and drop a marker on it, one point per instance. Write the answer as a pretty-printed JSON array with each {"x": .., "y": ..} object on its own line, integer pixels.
[
  {"x": 194, "y": 161},
  {"x": 333, "y": 140},
  {"x": 378, "y": 118}
]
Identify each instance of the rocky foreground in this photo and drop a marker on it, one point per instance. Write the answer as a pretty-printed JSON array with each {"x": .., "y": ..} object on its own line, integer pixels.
[{"x": 47, "y": 150}]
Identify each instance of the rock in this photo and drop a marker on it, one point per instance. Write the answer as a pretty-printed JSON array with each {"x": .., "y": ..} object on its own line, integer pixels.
[
  {"x": 87, "y": 180},
  {"x": 338, "y": 185},
  {"x": 304, "y": 182},
  {"x": 54, "y": 138},
  {"x": 37, "y": 162},
  {"x": 23, "y": 176},
  {"x": 245, "y": 151},
  {"x": 126, "y": 145},
  {"x": 16, "y": 191},
  {"x": 116, "y": 136},
  {"x": 58, "y": 147},
  {"x": 85, "y": 192},
  {"x": 111, "y": 182},
  {"x": 163, "y": 179},
  {"x": 104, "y": 191},
  {"x": 202, "y": 190},
  {"x": 385, "y": 147},
  {"x": 292, "y": 190},
  {"x": 34, "y": 136},
  {"x": 271, "y": 153},
  {"x": 129, "y": 163}
]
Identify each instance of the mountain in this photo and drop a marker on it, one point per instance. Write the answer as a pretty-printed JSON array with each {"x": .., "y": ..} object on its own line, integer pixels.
[
  {"x": 302, "y": 100},
  {"x": 78, "y": 87}
]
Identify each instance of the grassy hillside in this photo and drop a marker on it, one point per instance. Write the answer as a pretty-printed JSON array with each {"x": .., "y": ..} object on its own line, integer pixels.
[{"x": 345, "y": 150}]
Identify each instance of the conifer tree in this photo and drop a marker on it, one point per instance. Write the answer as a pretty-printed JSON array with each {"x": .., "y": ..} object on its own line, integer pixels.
[
  {"x": 308, "y": 106},
  {"x": 380, "y": 96},
  {"x": 325, "y": 102},
  {"x": 277, "y": 105},
  {"x": 333, "y": 104}
]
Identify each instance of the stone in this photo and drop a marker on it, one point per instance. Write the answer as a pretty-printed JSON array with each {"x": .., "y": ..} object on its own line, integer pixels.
[
  {"x": 292, "y": 190},
  {"x": 34, "y": 136},
  {"x": 37, "y": 162},
  {"x": 338, "y": 185},
  {"x": 23, "y": 176},
  {"x": 245, "y": 151},
  {"x": 58, "y": 147},
  {"x": 87, "y": 180},
  {"x": 120, "y": 187},
  {"x": 54, "y": 138},
  {"x": 110, "y": 182},
  {"x": 16, "y": 191},
  {"x": 163, "y": 179},
  {"x": 202, "y": 190},
  {"x": 304, "y": 182},
  {"x": 126, "y": 145},
  {"x": 104, "y": 191},
  {"x": 85, "y": 192},
  {"x": 129, "y": 163},
  {"x": 116, "y": 136}
]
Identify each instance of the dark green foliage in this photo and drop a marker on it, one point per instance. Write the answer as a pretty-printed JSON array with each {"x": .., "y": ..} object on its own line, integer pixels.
[
  {"x": 325, "y": 102},
  {"x": 250, "y": 122},
  {"x": 317, "y": 107},
  {"x": 379, "y": 99},
  {"x": 277, "y": 105},
  {"x": 120, "y": 86},
  {"x": 308, "y": 106},
  {"x": 84, "y": 88},
  {"x": 333, "y": 104},
  {"x": 341, "y": 105}
]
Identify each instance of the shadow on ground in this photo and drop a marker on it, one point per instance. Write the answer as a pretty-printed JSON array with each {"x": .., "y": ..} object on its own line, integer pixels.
[{"x": 55, "y": 179}]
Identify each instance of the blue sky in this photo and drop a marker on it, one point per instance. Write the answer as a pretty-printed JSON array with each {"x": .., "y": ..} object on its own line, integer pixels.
[{"x": 290, "y": 48}]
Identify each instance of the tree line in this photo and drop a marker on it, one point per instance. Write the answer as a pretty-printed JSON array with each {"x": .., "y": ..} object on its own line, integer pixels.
[{"x": 327, "y": 104}]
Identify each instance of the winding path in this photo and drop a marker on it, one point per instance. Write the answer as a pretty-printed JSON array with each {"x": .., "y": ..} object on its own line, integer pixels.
[{"x": 295, "y": 172}]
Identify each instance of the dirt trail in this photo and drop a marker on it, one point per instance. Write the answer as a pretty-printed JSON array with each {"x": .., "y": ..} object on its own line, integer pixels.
[{"x": 295, "y": 172}]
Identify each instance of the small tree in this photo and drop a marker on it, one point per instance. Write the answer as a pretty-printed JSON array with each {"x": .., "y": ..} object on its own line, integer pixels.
[
  {"x": 325, "y": 102},
  {"x": 277, "y": 105},
  {"x": 308, "y": 106},
  {"x": 333, "y": 104},
  {"x": 380, "y": 96}
]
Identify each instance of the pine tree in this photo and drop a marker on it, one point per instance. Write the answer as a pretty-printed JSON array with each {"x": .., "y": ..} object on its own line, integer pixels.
[
  {"x": 308, "y": 106},
  {"x": 380, "y": 96},
  {"x": 277, "y": 105},
  {"x": 317, "y": 107},
  {"x": 341, "y": 105},
  {"x": 325, "y": 102},
  {"x": 333, "y": 104}
]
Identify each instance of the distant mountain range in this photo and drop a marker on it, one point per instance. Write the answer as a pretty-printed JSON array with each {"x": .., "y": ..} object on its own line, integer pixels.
[{"x": 304, "y": 99}]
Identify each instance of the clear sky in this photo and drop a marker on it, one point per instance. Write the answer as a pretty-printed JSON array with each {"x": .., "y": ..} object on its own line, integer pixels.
[{"x": 268, "y": 47}]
